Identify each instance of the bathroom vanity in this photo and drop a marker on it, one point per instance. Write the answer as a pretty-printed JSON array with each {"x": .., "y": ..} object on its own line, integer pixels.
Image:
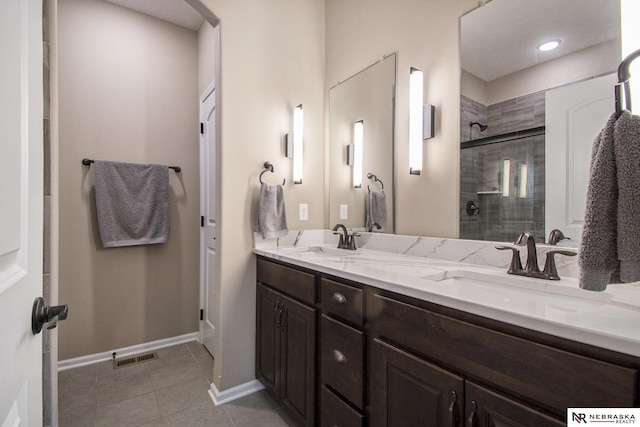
[{"x": 349, "y": 341}]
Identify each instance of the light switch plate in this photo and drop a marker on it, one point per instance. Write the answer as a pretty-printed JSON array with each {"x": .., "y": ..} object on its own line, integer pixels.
[
  {"x": 303, "y": 210},
  {"x": 344, "y": 212}
]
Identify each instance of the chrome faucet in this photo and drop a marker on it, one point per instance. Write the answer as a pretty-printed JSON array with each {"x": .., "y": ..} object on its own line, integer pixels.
[
  {"x": 347, "y": 241},
  {"x": 531, "y": 268}
]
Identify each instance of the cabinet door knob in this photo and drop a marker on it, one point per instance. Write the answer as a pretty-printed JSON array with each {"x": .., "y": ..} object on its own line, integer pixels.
[
  {"x": 339, "y": 298},
  {"x": 339, "y": 357}
]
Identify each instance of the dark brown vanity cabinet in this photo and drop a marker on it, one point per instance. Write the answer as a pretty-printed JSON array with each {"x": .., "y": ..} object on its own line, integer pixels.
[
  {"x": 406, "y": 390},
  {"x": 341, "y": 355},
  {"x": 286, "y": 337},
  {"x": 505, "y": 380}
]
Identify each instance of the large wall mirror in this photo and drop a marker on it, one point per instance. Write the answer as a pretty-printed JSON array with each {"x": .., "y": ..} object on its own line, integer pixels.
[
  {"x": 361, "y": 133},
  {"x": 528, "y": 117}
]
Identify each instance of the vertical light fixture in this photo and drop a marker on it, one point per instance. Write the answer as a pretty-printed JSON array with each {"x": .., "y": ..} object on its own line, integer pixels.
[
  {"x": 506, "y": 177},
  {"x": 415, "y": 121},
  {"x": 522, "y": 183},
  {"x": 358, "y": 141},
  {"x": 297, "y": 144}
]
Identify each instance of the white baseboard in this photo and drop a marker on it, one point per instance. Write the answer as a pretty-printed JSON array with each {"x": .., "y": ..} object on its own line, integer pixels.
[
  {"x": 226, "y": 396},
  {"x": 91, "y": 359}
]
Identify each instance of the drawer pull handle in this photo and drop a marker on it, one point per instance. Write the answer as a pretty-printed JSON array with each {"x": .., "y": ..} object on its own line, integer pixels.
[
  {"x": 339, "y": 356},
  {"x": 472, "y": 420},
  {"x": 339, "y": 298}
]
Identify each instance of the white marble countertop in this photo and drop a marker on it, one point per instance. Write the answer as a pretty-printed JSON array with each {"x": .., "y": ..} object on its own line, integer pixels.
[{"x": 609, "y": 319}]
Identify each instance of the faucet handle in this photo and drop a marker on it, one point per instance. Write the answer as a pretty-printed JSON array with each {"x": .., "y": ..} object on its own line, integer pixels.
[
  {"x": 516, "y": 264},
  {"x": 351, "y": 241},
  {"x": 550, "y": 269},
  {"x": 341, "y": 242}
]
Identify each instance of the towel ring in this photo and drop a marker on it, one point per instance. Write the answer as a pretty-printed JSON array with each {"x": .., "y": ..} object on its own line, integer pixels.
[
  {"x": 268, "y": 167},
  {"x": 375, "y": 178}
]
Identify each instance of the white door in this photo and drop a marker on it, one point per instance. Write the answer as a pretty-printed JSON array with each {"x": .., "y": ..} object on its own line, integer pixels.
[
  {"x": 208, "y": 216},
  {"x": 575, "y": 114},
  {"x": 21, "y": 195}
]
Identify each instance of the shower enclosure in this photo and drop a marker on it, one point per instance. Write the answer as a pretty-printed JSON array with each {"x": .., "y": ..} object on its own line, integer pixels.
[{"x": 502, "y": 169}]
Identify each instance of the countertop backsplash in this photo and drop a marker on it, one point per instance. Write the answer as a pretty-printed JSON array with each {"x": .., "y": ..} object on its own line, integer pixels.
[{"x": 477, "y": 252}]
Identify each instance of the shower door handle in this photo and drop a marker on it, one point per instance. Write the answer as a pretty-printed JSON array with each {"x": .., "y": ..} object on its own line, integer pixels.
[{"x": 42, "y": 314}]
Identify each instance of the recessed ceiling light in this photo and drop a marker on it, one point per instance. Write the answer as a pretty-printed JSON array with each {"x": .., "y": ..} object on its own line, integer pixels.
[{"x": 550, "y": 45}]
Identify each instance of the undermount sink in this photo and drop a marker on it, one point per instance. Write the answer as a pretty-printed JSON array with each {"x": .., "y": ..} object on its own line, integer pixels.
[
  {"x": 520, "y": 289},
  {"x": 319, "y": 251}
]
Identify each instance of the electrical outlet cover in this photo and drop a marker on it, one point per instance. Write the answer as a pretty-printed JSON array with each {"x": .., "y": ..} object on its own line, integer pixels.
[
  {"x": 344, "y": 212},
  {"x": 303, "y": 211}
]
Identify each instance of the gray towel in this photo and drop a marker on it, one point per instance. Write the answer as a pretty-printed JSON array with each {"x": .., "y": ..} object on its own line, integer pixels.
[
  {"x": 376, "y": 210},
  {"x": 627, "y": 150},
  {"x": 272, "y": 218},
  {"x": 132, "y": 201},
  {"x": 609, "y": 243}
]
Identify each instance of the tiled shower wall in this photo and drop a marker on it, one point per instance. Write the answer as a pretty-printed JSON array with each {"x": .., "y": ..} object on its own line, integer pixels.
[{"x": 502, "y": 218}]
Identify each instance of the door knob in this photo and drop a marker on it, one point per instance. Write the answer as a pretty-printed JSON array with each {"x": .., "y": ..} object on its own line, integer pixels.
[{"x": 42, "y": 314}]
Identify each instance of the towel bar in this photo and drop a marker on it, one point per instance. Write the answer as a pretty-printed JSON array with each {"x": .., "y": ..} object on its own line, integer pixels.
[{"x": 88, "y": 162}]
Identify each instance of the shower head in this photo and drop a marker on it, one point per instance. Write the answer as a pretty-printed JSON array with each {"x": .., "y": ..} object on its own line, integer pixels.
[{"x": 480, "y": 125}]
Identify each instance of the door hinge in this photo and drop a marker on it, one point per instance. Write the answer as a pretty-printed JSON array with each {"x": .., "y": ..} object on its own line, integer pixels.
[
  {"x": 201, "y": 314},
  {"x": 201, "y": 128},
  {"x": 201, "y": 221}
]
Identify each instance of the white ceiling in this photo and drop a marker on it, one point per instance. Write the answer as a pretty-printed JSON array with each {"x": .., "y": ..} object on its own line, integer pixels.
[
  {"x": 501, "y": 36},
  {"x": 177, "y": 12}
]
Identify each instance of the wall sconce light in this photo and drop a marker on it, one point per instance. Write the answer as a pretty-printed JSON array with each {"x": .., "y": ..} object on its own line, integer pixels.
[
  {"x": 358, "y": 141},
  {"x": 294, "y": 145},
  {"x": 523, "y": 171},
  {"x": 506, "y": 177},
  {"x": 415, "y": 121}
]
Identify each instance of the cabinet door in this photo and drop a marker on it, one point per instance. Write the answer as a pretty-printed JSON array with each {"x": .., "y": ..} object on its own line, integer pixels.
[
  {"x": 486, "y": 408},
  {"x": 267, "y": 350},
  {"x": 298, "y": 351},
  {"x": 408, "y": 391}
]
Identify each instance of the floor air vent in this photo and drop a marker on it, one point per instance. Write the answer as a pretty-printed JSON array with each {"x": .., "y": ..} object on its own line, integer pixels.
[{"x": 133, "y": 360}]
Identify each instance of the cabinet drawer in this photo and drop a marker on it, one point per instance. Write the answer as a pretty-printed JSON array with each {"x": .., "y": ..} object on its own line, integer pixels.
[
  {"x": 295, "y": 283},
  {"x": 342, "y": 359},
  {"x": 535, "y": 372},
  {"x": 342, "y": 300},
  {"x": 334, "y": 412}
]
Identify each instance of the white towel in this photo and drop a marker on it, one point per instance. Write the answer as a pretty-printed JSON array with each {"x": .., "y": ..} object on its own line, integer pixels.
[
  {"x": 609, "y": 242},
  {"x": 132, "y": 202},
  {"x": 376, "y": 210},
  {"x": 272, "y": 218}
]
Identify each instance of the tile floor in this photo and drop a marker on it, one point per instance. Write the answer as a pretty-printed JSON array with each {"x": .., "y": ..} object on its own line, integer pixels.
[{"x": 170, "y": 391}]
